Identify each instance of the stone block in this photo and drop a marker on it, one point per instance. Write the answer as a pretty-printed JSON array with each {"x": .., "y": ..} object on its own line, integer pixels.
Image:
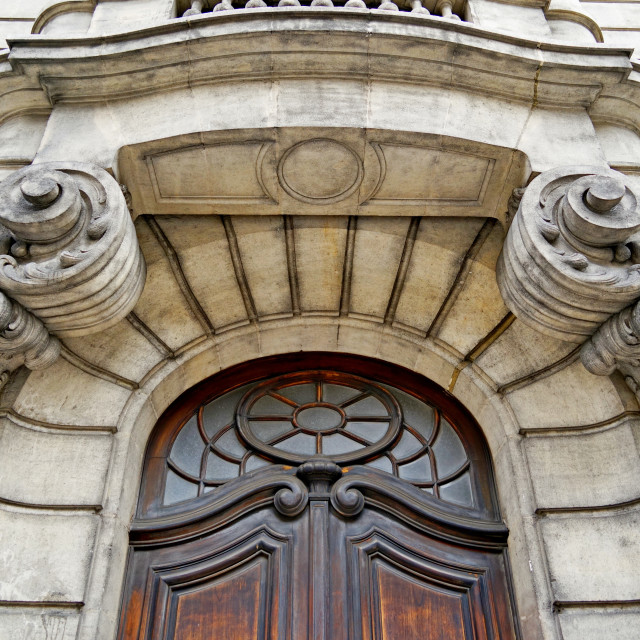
[
  {"x": 42, "y": 467},
  {"x": 262, "y": 248},
  {"x": 593, "y": 557},
  {"x": 29, "y": 623},
  {"x": 121, "y": 349},
  {"x": 320, "y": 244},
  {"x": 582, "y": 470},
  {"x": 436, "y": 258},
  {"x": 162, "y": 306},
  {"x": 45, "y": 557},
  {"x": 63, "y": 394},
  {"x": 372, "y": 280},
  {"x": 614, "y": 623},
  {"x": 521, "y": 351},
  {"x": 571, "y": 397},
  {"x": 478, "y": 307},
  {"x": 203, "y": 249}
]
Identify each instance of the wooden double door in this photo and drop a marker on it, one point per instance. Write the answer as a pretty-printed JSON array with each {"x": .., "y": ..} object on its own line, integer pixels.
[
  {"x": 317, "y": 497},
  {"x": 318, "y": 553}
]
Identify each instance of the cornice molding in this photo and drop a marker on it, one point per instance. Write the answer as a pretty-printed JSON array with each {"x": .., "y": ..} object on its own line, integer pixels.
[{"x": 212, "y": 48}]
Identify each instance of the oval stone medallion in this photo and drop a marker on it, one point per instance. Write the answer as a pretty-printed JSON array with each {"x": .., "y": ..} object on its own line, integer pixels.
[{"x": 320, "y": 171}]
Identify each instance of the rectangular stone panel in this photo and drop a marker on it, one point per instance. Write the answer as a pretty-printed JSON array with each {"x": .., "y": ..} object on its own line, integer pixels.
[
  {"x": 584, "y": 470},
  {"x": 35, "y": 623},
  {"x": 593, "y": 556},
  {"x": 48, "y": 468},
  {"x": 569, "y": 398},
  {"x": 63, "y": 394},
  {"x": 615, "y": 623},
  {"x": 45, "y": 557}
]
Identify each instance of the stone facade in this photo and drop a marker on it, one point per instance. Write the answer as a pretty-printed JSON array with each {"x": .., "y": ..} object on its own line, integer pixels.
[{"x": 318, "y": 178}]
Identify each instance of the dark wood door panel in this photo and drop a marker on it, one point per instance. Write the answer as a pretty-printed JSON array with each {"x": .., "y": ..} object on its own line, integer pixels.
[
  {"x": 402, "y": 583},
  {"x": 408, "y": 607},
  {"x": 229, "y": 606},
  {"x": 242, "y": 582}
]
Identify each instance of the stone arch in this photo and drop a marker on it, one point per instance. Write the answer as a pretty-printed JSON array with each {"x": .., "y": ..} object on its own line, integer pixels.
[{"x": 143, "y": 406}]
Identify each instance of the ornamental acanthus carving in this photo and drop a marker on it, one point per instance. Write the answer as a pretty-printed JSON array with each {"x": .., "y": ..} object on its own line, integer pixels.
[
  {"x": 570, "y": 266},
  {"x": 70, "y": 263}
]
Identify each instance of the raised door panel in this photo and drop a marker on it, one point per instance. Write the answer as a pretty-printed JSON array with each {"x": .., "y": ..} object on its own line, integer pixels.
[
  {"x": 242, "y": 582},
  {"x": 405, "y": 584},
  {"x": 409, "y": 607},
  {"x": 227, "y": 606}
]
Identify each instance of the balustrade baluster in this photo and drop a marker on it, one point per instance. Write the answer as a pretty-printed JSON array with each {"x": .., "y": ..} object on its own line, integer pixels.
[
  {"x": 416, "y": 7},
  {"x": 196, "y": 9}
]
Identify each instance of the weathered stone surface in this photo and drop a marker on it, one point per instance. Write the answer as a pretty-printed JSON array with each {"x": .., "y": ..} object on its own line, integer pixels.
[
  {"x": 568, "y": 398},
  {"x": 569, "y": 261},
  {"x": 121, "y": 349},
  {"x": 534, "y": 350},
  {"x": 63, "y": 468},
  {"x": 438, "y": 252},
  {"x": 478, "y": 307},
  {"x": 612, "y": 622},
  {"x": 373, "y": 280},
  {"x": 45, "y": 557},
  {"x": 564, "y": 469},
  {"x": 63, "y": 394},
  {"x": 320, "y": 246},
  {"x": 34, "y": 623},
  {"x": 593, "y": 557}
]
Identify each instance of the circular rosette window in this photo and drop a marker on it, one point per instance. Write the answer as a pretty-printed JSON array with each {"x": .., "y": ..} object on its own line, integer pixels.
[{"x": 295, "y": 417}]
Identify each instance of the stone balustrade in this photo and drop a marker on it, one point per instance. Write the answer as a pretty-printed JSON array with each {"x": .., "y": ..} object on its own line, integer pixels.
[{"x": 448, "y": 9}]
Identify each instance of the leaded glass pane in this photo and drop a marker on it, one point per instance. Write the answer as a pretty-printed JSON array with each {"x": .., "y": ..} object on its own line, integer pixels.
[
  {"x": 301, "y": 443},
  {"x": 319, "y": 418},
  {"x": 228, "y": 443},
  {"x": 222, "y": 411},
  {"x": 268, "y": 405},
  {"x": 368, "y": 406},
  {"x": 337, "y": 443},
  {"x": 370, "y": 431},
  {"x": 458, "y": 491},
  {"x": 256, "y": 462},
  {"x": 417, "y": 471},
  {"x": 382, "y": 463},
  {"x": 449, "y": 452},
  {"x": 177, "y": 489},
  {"x": 337, "y": 393},
  {"x": 416, "y": 413},
  {"x": 299, "y": 393},
  {"x": 267, "y": 430},
  {"x": 220, "y": 470},
  {"x": 407, "y": 446},
  {"x": 187, "y": 448}
]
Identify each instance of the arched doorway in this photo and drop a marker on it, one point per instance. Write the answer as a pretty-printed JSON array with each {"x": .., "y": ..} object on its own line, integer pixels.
[{"x": 321, "y": 496}]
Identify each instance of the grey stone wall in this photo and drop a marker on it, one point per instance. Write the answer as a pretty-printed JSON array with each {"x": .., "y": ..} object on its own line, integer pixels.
[{"x": 228, "y": 282}]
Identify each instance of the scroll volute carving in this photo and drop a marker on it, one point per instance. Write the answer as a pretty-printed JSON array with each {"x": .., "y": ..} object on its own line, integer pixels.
[
  {"x": 69, "y": 249},
  {"x": 571, "y": 256}
]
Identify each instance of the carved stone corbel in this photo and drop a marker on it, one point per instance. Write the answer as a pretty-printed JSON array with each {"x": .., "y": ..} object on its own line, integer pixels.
[
  {"x": 570, "y": 264},
  {"x": 69, "y": 256},
  {"x": 570, "y": 258}
]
